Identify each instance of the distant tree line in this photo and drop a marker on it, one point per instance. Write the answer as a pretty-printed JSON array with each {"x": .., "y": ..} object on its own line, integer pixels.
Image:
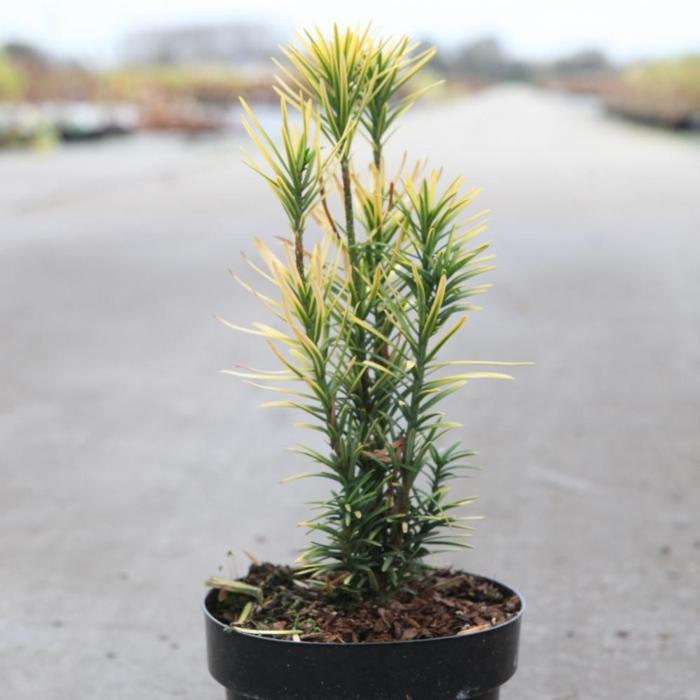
[
  {"x": 28, "y": 72},
  {"x": 486, "y": 60},
  {"x": 482, "y": 59}
]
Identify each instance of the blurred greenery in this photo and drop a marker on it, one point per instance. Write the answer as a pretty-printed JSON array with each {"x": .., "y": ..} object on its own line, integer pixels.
[
  {"x": 173, "y": 88},
  {"x": 200, "y": 81},
  {"x": 665, "y": 80},
  {"x": 12, "y": 83},
  {"x": 664, "y": 93}
]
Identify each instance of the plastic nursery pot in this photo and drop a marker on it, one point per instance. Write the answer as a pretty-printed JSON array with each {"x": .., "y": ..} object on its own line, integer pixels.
[{"x": 446, "y": 668}]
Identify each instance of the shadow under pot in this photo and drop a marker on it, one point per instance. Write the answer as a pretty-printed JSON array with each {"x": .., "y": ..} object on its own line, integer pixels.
[{"x": 463, "y": 667}]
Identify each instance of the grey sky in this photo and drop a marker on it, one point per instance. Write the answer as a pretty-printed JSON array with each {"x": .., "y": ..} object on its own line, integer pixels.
[{"x": 627, "y": 29}]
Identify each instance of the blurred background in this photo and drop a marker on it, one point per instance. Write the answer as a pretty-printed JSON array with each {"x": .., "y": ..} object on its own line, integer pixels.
[
  {"x": 129, "y": 467},
  {"x": 76, "y": 71}
]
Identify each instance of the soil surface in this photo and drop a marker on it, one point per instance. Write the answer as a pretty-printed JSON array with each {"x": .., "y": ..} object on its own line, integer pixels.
[{"x": 440, "y": 603}]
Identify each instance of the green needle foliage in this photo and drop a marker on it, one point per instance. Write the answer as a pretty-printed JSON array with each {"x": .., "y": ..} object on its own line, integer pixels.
[{"x": 363, "y": 313}]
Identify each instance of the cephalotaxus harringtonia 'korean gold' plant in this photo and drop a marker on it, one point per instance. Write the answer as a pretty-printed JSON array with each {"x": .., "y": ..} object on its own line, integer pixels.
[{"x": 365, "y": 310}]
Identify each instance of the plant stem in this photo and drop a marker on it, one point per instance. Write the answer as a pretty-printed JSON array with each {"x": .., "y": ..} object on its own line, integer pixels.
[
  {"x": 350, "y": 223},
  {"x": 377, "y": 154},
  {"x": 327, "y": 212},
  {"x": 357, "y": 290},
  {"x": 299, "y": 252},
  {"x": 362, "y": 400},
  {"x": 407, "y": 476}
]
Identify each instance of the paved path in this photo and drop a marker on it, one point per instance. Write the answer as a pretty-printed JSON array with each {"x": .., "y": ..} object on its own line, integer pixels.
[{"x": 128, "y": 466}]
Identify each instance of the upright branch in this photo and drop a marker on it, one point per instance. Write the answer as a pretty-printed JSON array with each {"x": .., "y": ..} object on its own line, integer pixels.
[
  {"x": 350, "y": 222},
  {"x": 394, "y": 65},
  {"x": 296, "y": 169},
  {"x": 337, "y": 74}
]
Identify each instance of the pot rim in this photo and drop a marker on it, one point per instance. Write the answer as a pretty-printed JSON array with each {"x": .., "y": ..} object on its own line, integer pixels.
[{"x": 262, "y": 638}]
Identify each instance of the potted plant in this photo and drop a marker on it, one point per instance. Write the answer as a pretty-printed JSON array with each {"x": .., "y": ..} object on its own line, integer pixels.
[{"x": 376, "y": 278}]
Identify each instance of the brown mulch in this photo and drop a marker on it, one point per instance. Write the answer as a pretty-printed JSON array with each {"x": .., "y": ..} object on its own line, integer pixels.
[{"x": 440, "y": 603}]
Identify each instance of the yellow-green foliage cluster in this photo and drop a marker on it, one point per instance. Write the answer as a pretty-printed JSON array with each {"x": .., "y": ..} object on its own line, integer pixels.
[
  {"x": 12, "y": 85},
  {"x": 173, "y": 81},
  {"x": 377, "y": 277},
  {"x": 674, "y": 79}
]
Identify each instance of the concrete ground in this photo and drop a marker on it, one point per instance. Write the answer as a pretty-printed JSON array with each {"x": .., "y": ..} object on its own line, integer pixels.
[{"x": 129, "y": 466}]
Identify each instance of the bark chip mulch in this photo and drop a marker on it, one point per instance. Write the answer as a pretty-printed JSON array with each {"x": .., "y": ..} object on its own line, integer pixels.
[{"x": 440, "y": 603}]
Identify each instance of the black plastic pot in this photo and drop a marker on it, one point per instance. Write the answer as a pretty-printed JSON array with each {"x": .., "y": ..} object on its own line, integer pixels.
[{"x": 449, "y": 668}]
